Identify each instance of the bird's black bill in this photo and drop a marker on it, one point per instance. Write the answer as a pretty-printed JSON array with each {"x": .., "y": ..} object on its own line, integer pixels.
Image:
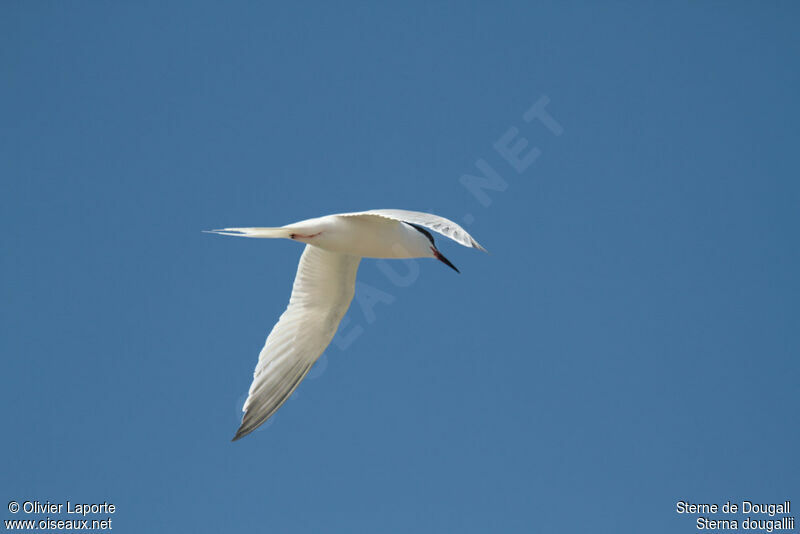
[{"x": 438, "y": 255}]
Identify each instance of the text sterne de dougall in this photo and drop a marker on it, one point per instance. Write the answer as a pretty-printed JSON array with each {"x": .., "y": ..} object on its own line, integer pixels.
[{"x": 764, "y": 517}]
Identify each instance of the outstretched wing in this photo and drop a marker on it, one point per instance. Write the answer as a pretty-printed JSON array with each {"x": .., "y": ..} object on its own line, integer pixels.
[
  {"x": 438, "y": 224},
  {"x": 322, "y": 291}
]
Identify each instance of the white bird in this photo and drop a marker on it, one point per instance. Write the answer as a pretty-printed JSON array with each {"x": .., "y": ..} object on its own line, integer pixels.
[{"x": 324, "y": 286}]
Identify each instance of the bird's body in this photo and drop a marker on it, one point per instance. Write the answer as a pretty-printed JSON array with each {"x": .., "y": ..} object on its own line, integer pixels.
[
  {"x": 369, "y": 236},
  {"x": 324, "y": 286}
]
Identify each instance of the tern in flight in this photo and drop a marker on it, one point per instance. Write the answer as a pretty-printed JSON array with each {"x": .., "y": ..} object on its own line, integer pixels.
[{"x": 324, "y": 286}]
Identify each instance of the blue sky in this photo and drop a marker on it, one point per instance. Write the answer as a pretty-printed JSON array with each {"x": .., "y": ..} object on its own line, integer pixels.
[{"x": 630, "y": 341}]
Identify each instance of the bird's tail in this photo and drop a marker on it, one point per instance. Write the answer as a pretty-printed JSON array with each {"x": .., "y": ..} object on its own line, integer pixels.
[{"x": 255, "y": 232}]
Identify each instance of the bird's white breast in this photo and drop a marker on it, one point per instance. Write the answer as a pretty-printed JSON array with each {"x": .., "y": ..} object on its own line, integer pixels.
[{"x": 368, "y": 237}]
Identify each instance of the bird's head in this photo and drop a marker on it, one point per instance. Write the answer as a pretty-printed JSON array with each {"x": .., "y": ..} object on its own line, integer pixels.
[{"x": 426, "y": 242}]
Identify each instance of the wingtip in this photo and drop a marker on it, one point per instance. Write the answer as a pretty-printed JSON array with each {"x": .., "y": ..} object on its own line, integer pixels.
[
  {"x": 477, "y": 245},
  {"x": 240, "y": 434}
]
